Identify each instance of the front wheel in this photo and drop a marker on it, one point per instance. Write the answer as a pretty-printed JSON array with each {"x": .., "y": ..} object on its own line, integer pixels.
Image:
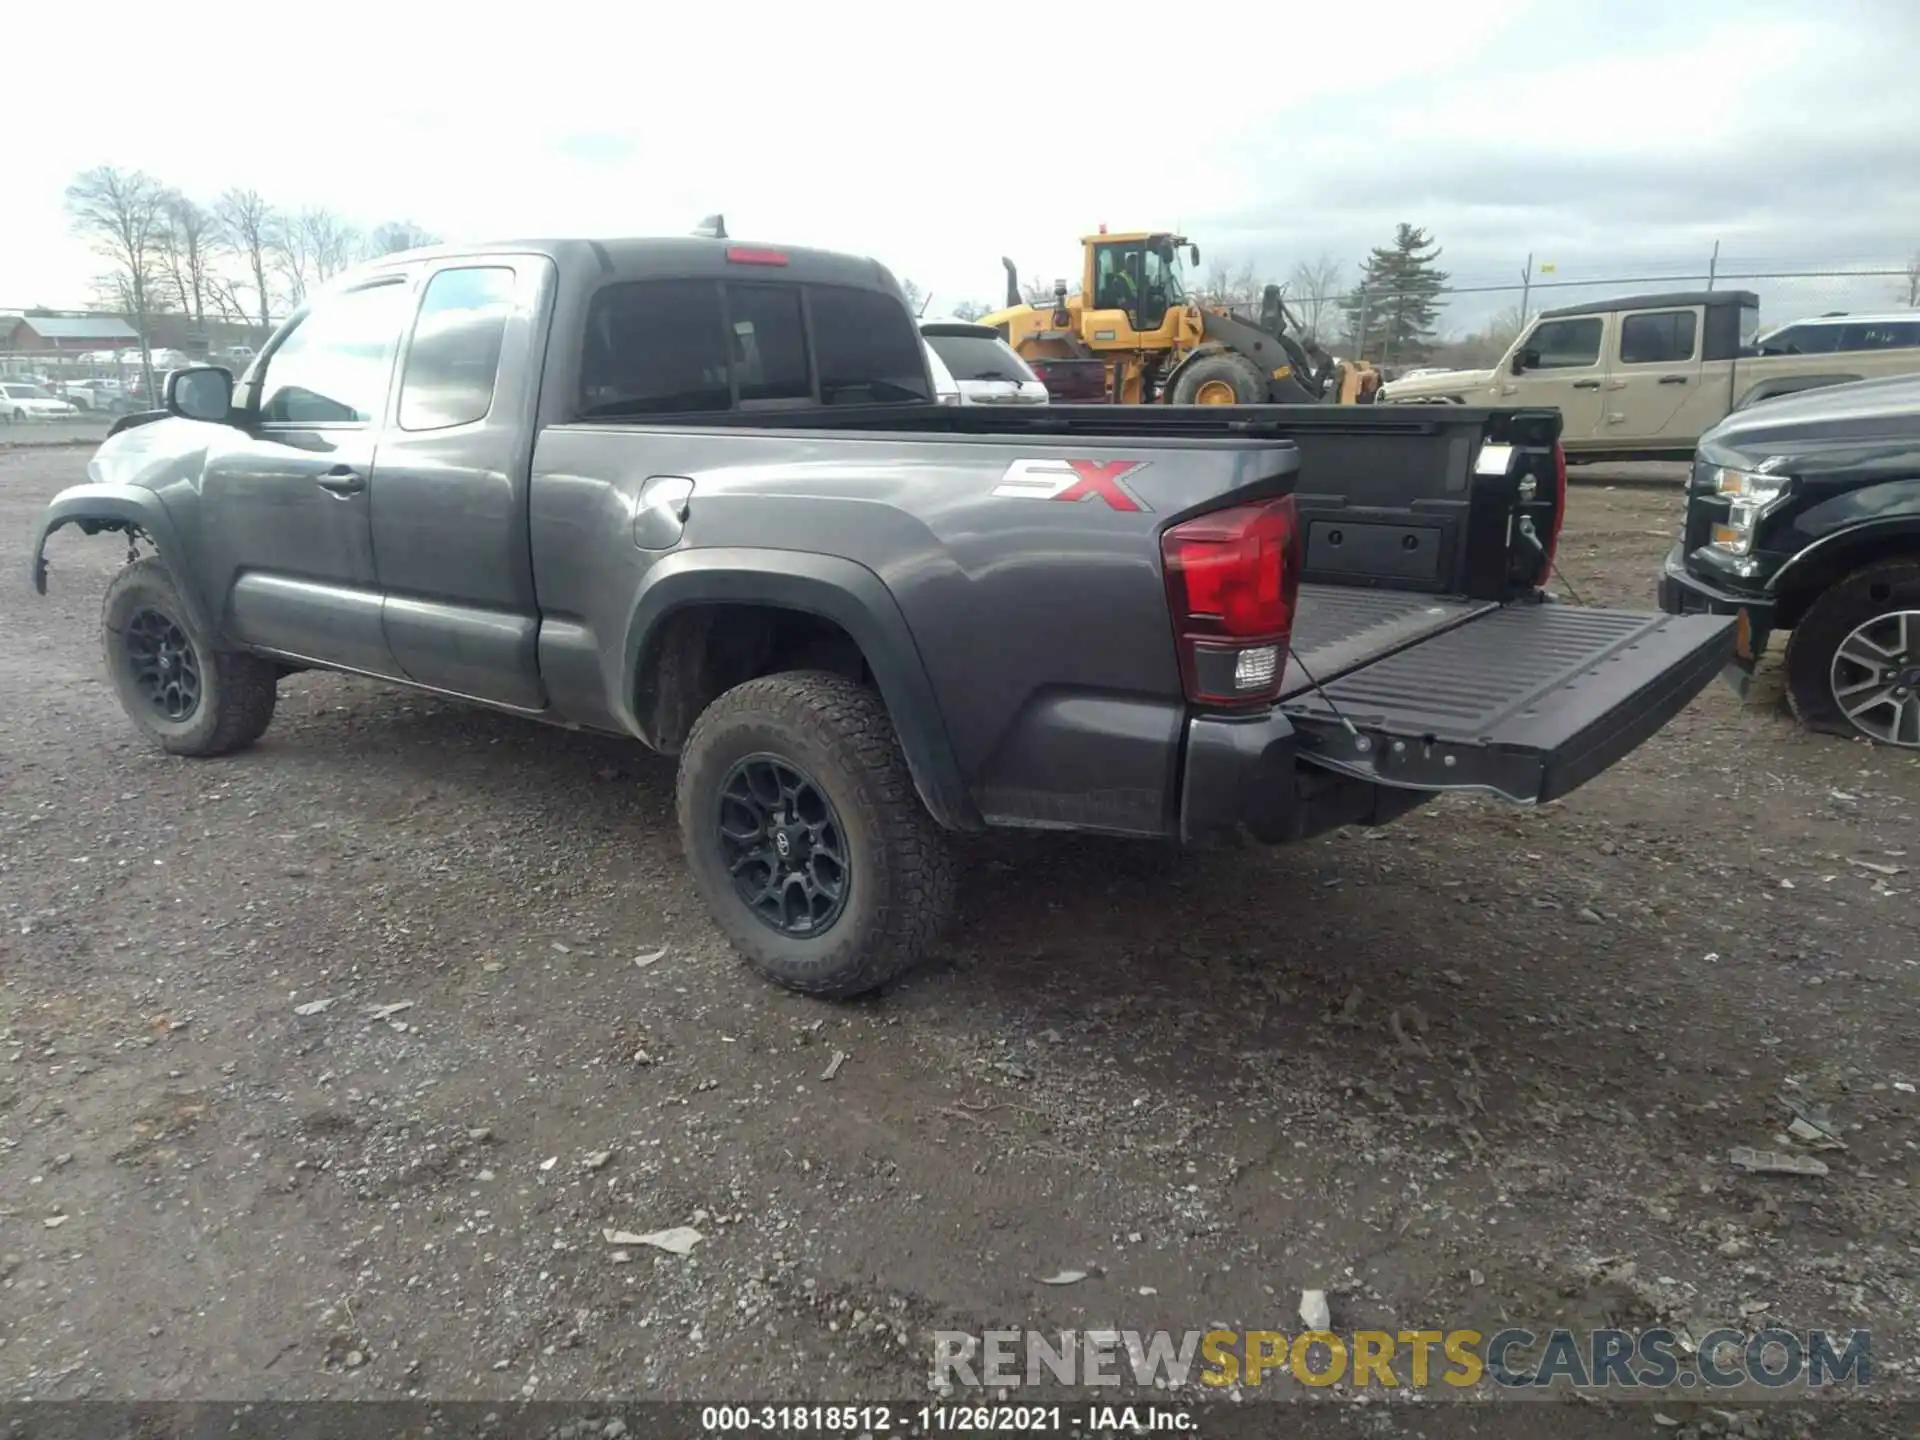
[
  {"x": 805, "y": 836},
  {"x": 1853, "y": 664},
  {"x": 1220, "y": 379},
  {"x": 186, "y": 696}
]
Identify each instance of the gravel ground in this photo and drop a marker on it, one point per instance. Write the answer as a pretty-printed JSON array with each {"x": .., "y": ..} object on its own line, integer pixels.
[
  {"x": 231, "y": 1164},
  {"x": 83, "y": 430}
]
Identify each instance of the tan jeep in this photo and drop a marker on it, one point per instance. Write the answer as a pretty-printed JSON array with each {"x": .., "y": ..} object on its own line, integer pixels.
[{"x": 1643, "y": 378}]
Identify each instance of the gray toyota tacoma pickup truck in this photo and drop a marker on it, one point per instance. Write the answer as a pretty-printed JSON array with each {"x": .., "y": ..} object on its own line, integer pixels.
[{"x": 696, "y": 493}]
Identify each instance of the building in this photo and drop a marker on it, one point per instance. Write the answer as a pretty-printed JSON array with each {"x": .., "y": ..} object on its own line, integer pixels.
[{"x": 52, "y": 334}]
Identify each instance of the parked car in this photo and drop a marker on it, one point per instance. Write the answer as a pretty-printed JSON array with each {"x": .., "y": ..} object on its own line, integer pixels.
[
  {"x": 1842, "y": 334},
  {"x": 695, "y": 493},
  {"x": 1804, "y": 516},
  {"x": 90, "y": 395},
  {"x": 983, "y": 368},
  {"x": 1646, "y": 377},
  {"x": 21, "y": 402}
]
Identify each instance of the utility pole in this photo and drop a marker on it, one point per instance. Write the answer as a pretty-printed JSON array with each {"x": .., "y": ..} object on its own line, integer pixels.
[
  {"x": 1526, "y": 287},
  {"x": 1713, "y": 264}
]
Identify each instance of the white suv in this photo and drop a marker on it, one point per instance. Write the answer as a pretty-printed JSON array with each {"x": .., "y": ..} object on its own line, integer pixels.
[
  {"x": 972, "y": 365},
  {"x": 1842, "y": 334}
]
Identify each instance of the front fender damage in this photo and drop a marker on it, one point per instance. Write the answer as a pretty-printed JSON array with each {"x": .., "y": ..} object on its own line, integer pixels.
[{"x": 90, "y": 524}]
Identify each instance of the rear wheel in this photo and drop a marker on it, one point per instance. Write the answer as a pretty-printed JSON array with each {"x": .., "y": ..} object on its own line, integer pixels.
[
  {"x": 805, "y": 836},
  {"x": 185, "y": 695},
  {"x": 1222, "y": 379},
  {"x": 1853, "y": 664}
]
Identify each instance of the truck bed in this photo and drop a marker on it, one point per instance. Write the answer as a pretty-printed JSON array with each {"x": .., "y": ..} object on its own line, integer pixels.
[{"x": 1336, "y": 628}]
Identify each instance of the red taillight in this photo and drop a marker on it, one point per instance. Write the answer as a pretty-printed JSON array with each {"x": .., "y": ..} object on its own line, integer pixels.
[
  {"x": 746, "y": 255},
  {"x": 1232, "y": 579},
  {"x": 1559, "y": 506}
]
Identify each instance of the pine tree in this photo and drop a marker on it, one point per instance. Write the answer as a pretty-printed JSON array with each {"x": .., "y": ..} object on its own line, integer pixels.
[{"x": 1391, "y": 313}]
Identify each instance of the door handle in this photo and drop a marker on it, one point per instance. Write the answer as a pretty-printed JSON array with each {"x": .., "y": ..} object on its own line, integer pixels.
[
  {"x": 1673, "y": 379},
  {"x": 1586, "y": 384},
  {"x": 342, "y": 480}
]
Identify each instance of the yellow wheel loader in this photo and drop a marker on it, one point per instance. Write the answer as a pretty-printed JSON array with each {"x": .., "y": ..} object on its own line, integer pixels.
[{"x": 1133, "y": 314}]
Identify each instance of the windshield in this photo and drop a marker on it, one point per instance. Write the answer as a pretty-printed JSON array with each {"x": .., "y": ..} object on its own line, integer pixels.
[
  {"x": 979, "y": 357},
  {"x": 1749, "y": 325},
  {"x": 27, "y": 392},
  {"x": 1165, "y": 269}
]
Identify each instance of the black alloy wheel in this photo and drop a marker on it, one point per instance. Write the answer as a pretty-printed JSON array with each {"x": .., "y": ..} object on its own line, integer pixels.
[
  {"x": 163, "y": 666},
  {"x": 783, "y": 843}
]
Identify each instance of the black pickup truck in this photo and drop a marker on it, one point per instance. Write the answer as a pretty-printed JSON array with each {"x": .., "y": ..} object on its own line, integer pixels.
[
  {"x": 1803, "y": 515},
  {"x": 696, "y": 492}
]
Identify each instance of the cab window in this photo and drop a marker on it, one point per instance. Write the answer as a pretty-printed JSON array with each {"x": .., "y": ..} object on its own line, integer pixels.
[
  {"x": 1657, "y": 337},
  {"x": 1114, "y": 270},
  {"x": 662, "y": 347},
  {"x": 334, "y": 366},
  {"x": 1565, "y": 344}
]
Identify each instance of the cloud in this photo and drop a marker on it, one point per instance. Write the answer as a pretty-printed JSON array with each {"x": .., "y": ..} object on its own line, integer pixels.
[{"x": 1610, "y": 137}]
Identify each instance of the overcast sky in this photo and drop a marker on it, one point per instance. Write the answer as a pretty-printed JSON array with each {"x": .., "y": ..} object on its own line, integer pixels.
[{"x": 1610, "y": 139}]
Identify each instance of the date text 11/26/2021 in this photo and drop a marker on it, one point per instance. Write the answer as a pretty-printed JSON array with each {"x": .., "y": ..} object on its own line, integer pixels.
[{"x": 943, "y": 1419}]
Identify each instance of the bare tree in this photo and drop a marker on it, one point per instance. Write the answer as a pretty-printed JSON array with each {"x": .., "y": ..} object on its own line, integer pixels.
[
  {"x": 227, "y": 299},
  {"x": 292, "y": 259},
  {"x": 917, "y": 298},
  {"x": 1313, "y": 294},
  {"x": 1230, "y": 286},
  {"x": 248, "y": 225},
  {"x": 330, "y": 244},
  {"x": 1913, "y": 281},
  {"x": 1485, "y": 345},
  {"x": 310, "y": 248},
  {"x": 186, "y": 256},
  {"x": 122, "y": 213},
  {"x": 397, "y": 235},
  {"x": 969, "y": 310}
]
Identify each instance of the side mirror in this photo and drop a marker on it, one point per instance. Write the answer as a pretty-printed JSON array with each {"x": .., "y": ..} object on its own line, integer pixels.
[
  {"x": 201, "y": 392},
  {"x": 1193, "y": 254},
  {"x": 1525, "y": 359}
]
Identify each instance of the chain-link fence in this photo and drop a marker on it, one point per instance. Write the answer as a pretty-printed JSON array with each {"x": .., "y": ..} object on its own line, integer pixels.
[
  {"x": 1468, "y": 322},
  {"x": 94, "y": 361},
  {"x": 95, "y": 383}
]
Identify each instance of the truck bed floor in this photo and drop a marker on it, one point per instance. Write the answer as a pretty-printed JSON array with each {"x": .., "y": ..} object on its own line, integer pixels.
[{"x": 1336, "y": 628}]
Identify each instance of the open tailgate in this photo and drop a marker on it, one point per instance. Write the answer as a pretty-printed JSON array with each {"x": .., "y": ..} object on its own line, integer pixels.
[{"x": 1529, "y": 701}]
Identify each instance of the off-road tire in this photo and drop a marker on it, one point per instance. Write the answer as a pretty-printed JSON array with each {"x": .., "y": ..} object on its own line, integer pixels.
[
  {"x": 901, "y": 869},
  {"x": 1845, "y": 605},
  {"x": 1249, "y": 385},
  {"x": 237, "y": 691}
]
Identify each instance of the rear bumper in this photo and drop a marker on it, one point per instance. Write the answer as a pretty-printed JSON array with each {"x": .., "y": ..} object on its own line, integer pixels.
[
  {"x": 1237, "y": 773},
  {"x": 1684, "y": 593},
  {"x": 1244, "y": 777}
]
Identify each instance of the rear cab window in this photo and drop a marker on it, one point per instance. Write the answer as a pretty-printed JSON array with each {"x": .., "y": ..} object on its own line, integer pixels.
[
  {"x": 1658, "y": 337},
  {"x": 677, "y": 347},
  {"x": 453, "y": 361}
]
